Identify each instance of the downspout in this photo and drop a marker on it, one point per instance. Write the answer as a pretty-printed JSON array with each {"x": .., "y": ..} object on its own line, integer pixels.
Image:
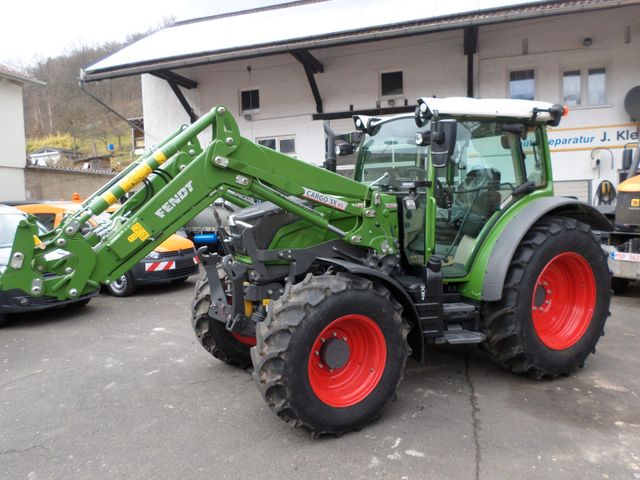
[{"x": 470, "y": 48}]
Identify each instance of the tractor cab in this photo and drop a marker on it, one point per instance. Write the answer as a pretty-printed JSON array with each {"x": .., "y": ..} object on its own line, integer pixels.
[{"x": 492, "y": 163}]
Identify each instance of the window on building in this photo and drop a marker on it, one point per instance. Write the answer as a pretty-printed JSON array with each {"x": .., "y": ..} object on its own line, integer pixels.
[
  {"x": 571, "y": 88},
  {"x": 584, "y": 87},
  {"x": 522, "y": 84},
  {"x": 250, "y": 100},
  {"x": 596, "y": 83},
  {"x": 286, "y": 145},
  {"x": 391, "y": 84}
]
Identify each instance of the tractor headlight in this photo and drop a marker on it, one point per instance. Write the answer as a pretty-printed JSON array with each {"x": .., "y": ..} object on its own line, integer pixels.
[{"x": 153, "y": 256}]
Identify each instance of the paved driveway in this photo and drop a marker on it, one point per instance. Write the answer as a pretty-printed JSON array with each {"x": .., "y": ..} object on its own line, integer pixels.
[{"x": 121, "y": 389}]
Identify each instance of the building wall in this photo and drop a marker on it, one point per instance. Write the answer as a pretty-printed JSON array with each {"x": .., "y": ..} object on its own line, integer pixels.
[
  {"x": 432, "y": 64},
  {"x": 12, "y": 142},
  {"x": 556, "y": 45},
  {"x": 351, "y": 77},
  {"x": 43, "y": 183}
]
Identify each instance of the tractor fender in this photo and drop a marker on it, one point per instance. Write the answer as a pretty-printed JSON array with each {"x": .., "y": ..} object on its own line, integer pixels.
[
  {"x": 510, "y": 237},
  {"x": 397, "y": 290}
]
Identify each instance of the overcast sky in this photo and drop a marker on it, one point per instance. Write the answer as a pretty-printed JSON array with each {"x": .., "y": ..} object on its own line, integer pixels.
[{"x": 37, "y": 29}]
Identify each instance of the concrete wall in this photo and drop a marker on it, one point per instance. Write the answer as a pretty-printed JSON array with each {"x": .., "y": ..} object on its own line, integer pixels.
[
  {"x": 44, "y": 183},
  {"x": 12, "y": 142},
  {"x": 432, "y": 64}
]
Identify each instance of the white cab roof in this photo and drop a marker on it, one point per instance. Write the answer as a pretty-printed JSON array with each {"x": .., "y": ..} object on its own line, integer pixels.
[{"x": 492, "y": 107}]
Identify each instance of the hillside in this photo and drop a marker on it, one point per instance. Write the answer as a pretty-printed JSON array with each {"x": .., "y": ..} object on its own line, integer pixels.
[{"x": 60, "y": 114}]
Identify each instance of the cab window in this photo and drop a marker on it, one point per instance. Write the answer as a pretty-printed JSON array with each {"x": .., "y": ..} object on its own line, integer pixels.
[{"x": 389, "y": 156}]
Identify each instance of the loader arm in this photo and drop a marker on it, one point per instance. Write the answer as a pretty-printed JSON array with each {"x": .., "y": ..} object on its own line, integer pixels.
[{"x": 179, "y": 179}]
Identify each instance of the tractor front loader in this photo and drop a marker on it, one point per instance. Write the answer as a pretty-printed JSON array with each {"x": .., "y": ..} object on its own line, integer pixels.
[{"x": 449, "y": 233}]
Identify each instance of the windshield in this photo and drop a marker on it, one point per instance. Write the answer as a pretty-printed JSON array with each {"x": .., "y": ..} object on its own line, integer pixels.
[{"x": 390, "y": 156}]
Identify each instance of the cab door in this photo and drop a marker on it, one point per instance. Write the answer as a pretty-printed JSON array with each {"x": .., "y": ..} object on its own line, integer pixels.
[{"x": 490, "y": 160}]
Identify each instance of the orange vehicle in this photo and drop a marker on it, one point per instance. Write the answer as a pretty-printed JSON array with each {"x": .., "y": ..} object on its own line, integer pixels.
[{"x": 172, "y": 261}]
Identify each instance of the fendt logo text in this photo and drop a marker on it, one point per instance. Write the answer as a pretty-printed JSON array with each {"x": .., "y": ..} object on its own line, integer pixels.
[{"x": 175, "y": 200}]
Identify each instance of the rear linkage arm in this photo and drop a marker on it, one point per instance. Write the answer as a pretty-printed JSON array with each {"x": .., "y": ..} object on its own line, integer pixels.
[{"x": 180, "y": 179}]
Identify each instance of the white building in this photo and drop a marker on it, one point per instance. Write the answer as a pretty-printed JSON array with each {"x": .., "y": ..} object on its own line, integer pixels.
[
  {"x": 12, "y": 138},
  {"x": 283, "y": 70}
]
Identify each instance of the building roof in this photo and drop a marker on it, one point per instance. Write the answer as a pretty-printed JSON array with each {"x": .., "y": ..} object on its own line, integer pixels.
[
  {"x": 50, "y": 150},
  {"x": 17, "y": 75},
  {"x": 310, "y": 24}
]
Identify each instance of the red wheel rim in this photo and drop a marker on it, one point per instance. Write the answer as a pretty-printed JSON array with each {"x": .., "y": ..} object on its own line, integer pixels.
[
  {"x": 244, "y": 339},
  {"x": 346, "y": 378},
  {"x": 564, "y": 299}
]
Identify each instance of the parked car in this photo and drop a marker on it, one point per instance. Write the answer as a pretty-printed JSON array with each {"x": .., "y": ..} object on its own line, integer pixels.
[
  {"x": 16, "y": 301},
  {"x": 173, "y": 261}
]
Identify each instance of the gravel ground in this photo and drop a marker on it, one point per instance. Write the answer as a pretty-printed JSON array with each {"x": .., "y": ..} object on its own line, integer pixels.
[{"x": 121, "y": 389}]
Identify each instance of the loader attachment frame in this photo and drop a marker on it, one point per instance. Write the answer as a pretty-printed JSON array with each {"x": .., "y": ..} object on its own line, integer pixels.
[{"x": 177, "y": 180}]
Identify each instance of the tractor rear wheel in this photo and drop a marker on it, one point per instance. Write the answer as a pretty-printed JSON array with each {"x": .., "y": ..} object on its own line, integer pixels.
[
  {"x": 331, "y": 353},
  {"x": 554, "y": 304},
  {"x": 213, "y": 335}
]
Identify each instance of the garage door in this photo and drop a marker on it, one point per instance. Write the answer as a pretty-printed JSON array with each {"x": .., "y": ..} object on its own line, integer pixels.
[{"x": 580, "y": 189}]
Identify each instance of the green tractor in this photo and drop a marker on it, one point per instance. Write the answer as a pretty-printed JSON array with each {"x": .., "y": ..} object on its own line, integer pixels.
[{"x": 449, "y": 234}]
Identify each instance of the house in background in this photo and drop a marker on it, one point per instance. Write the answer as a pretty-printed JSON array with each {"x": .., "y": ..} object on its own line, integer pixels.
[
  {"x": 53, "y": 157},
  {"x": 283, "y": 70},
  {"x": 12, "y": 135}
]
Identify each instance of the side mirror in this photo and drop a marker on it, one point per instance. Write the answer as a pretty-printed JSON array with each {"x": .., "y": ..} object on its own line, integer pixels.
[{"x": 443, "y": 141}]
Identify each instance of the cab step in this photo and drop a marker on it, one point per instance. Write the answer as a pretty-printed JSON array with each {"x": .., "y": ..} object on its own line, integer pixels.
[
  {"x": 457, "y": 312},
  {"x": 456, "y": 335}
]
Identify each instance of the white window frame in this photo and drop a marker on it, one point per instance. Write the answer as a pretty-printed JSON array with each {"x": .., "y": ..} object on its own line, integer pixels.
[
  {"x": 398, "y": 96},
  {"x": 522, "y": 69},
  {"x": 584, "y": 84},
  {"x": 250, "y": 111},
  {"x": 278, "y": 139}
]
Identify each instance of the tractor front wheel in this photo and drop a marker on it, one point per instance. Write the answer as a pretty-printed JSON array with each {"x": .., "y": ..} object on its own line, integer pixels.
[
  {"x": 331, "y": 353},
  {"x": 555, "y": 301},
  {"x": 213, "y": 335}
]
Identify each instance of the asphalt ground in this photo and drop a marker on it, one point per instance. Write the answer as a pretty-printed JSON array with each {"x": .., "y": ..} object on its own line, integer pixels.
[{"x": 122, "y": 390}]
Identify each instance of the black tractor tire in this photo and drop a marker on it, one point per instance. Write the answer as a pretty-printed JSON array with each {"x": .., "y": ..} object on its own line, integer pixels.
[
  {"x": 331, "y": 353},
  {"x": 619, "y": 285},
  {"x": 124, "y": 286},
  {"x": 539, "y": 332},
  {"x": 212, "y": 334}
]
